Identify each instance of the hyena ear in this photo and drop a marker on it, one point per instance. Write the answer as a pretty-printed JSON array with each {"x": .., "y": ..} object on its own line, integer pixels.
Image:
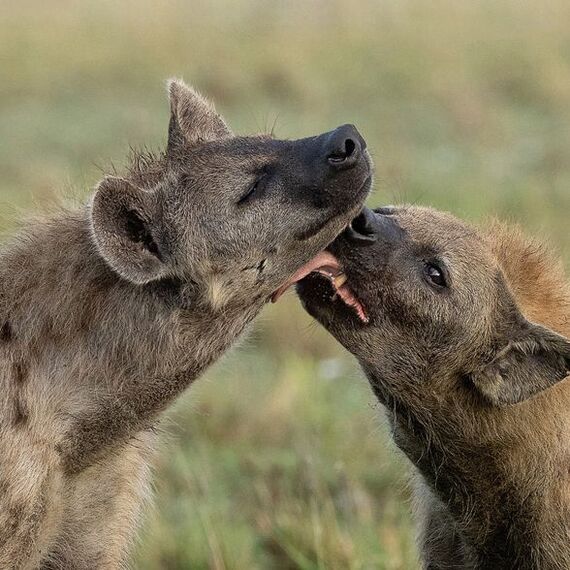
[
  {"x": 193, "y": 119},
  {"x": 533, "y": 359},
  {"x": 127, "y": 231}
]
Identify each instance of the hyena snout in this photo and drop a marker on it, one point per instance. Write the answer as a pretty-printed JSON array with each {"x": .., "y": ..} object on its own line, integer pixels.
[{"x": 335, "y": 169}]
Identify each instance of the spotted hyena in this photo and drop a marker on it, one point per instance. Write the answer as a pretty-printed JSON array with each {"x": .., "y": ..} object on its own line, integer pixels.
[
  {"x": 463, "y": 335},
  {"x": 108, "y": 312}
]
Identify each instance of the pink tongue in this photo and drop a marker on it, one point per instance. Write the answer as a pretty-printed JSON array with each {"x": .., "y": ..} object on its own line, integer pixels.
[{"x": 324, "y": 258}]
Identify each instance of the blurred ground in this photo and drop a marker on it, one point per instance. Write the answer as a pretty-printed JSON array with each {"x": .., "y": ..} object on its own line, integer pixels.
[{"x": 278, "y": 459}]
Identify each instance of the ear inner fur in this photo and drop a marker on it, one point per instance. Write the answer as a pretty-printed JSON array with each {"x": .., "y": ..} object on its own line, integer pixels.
[
  {"x": 124, "y": 222},
  {"x": 524, "y": 367}
]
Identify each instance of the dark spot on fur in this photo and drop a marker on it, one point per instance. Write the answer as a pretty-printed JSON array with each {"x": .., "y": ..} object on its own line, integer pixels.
[
  {"x": 20, "y": 373},
  {"x": 6, "y": 332},
  {"x": 261, "y": 265},
  {"x": 168, "y": 289},
  {"x": 20, "y": 412}
]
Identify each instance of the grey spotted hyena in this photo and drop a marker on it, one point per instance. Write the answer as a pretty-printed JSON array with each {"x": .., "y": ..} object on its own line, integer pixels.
[{"x": 108, "y": 312}]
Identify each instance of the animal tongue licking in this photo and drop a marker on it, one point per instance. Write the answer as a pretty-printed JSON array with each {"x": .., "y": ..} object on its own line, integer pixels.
[{"x": 327, "y": 265}]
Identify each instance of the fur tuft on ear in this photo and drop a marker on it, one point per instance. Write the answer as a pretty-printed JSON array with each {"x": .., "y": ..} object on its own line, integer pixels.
[
  {"x": 535, "y": 359},
  {"x": 193, "y": 118},
  {"x": 126, "y": 230}
]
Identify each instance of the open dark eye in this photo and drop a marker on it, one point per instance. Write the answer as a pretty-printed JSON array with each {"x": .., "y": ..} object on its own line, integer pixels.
[
  {"x": 435, "y": 275},
  {"x": 252, "y": 189}
]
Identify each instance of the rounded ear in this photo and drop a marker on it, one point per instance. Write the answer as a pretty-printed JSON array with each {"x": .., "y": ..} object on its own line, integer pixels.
[
  {"x": 127, "y": 231},
  {"x": 533, "y": 359},
  {"x": 193, "y": 119}
]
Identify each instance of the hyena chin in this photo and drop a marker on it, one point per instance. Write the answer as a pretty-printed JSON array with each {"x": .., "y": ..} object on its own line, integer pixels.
[
  {"x": 463, "y": 335},
  {"x": 109, "y": 312}
]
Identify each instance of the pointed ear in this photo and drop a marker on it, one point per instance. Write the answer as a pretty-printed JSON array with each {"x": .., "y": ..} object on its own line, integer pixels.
[
  {"x": 126, "y": 228},
  {"x": 534, "y": 359},
  {"x": 193, "y": 119}
]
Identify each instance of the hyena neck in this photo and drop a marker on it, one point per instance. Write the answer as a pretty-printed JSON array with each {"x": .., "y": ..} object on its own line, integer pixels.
[
  {"x": 501, "y": 513},
  {"x": 117, "y": 353}
]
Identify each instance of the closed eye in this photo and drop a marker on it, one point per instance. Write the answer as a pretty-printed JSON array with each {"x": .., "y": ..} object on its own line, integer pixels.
[{"x": 253, "y": 189}]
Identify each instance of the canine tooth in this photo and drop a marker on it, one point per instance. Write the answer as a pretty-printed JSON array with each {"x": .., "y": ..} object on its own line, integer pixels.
[{"x": 340, "y": 280}]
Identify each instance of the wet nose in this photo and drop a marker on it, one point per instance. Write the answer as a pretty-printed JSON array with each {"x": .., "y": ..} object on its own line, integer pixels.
[{"x": 344, "y": 147}]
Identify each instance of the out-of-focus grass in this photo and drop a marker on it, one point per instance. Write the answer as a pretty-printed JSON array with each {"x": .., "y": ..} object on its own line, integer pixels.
[
  {"x": 286, "y": 470},
  {"x": 278, "y": 459}
]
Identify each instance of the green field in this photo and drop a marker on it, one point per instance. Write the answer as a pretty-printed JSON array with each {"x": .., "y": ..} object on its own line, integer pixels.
[{"x": 278, "y": 458}]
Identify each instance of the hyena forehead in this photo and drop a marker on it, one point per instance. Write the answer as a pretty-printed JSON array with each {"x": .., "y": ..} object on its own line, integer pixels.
[{"x": 455, "y": 242}]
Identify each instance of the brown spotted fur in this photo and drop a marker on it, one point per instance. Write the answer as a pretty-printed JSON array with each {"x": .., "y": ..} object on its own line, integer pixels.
[{"x": 474, "y": 379}]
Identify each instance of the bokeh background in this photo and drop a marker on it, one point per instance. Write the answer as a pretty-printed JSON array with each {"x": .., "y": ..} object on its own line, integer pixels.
[{"x": 278, "y": 458}]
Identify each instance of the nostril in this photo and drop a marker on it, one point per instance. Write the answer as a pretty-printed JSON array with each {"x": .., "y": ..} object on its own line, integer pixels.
[
  {"x": 343, "y": 146},
  {"x": 364, "y": 228},
  {"x": 345, "y": 151},
  {"x": 349, "y": 147},
  {"x": 362, "y": 224},
  {"x": 336, "y": 158}
]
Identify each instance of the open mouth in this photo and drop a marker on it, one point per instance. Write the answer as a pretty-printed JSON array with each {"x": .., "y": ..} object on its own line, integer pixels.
[{"x": 328, "y": 266}]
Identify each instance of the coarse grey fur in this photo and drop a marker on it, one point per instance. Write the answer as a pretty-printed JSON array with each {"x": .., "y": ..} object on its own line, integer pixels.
[
  {"x": 108, "y": 312},
  {"x": 471, "y": 373}
]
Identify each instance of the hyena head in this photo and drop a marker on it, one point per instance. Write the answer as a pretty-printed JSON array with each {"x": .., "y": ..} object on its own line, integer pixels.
[
  {"x": 235, "y": 216},
  {"x": 422, "y": 300}
]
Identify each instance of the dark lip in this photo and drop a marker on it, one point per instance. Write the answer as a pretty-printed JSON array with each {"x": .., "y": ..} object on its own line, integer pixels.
[{"x": 364, "y": 188}]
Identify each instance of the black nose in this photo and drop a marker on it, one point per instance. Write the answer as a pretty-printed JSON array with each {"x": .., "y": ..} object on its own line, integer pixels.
[
  {"x": 364, "y": 229},
  {"x": 343, "y": 147}
]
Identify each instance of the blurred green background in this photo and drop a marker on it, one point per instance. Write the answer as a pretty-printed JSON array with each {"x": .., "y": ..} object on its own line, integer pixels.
[{"x": 278, "y": 458}]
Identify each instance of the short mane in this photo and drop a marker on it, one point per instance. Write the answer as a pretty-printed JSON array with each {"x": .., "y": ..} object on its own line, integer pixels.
[{"x": 535, "y": 275}]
